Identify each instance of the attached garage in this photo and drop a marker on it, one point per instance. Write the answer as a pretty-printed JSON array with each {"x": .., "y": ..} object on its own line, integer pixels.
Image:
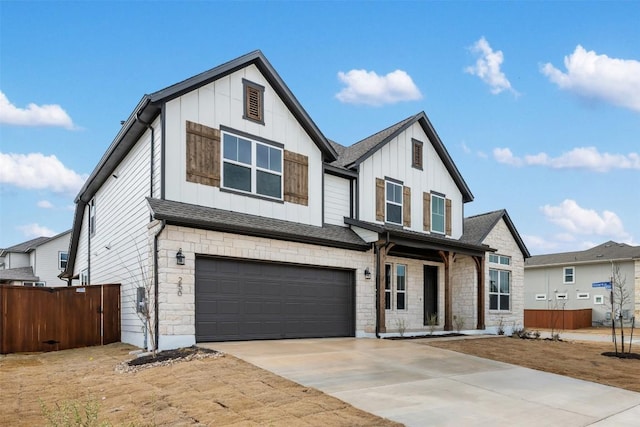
[{"x": 248, "y": 300}]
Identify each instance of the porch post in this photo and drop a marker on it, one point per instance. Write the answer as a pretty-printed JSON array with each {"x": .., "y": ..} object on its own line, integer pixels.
[
  {"x": 382, "y": 321},
  {"x": 448, "y": 303},
  {"x": 479, "y": 260}
]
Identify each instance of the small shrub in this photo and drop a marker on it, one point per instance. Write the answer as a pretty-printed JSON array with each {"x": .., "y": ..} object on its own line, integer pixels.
[
  {"x": 458, "y": 322},
  {"x": 402, "y": 326},
  {"x": 501, "y": 327},
  {"x": 73, "y": 413},
  {"x": 432, "y": 322}
]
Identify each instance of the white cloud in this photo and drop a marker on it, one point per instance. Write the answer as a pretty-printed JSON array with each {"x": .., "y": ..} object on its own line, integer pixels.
[
  {"x": 574, "y": 219},
  {"x": 45, "y": 204},
  {"x": 36, "y": 230},
  {"x": 487, "y": 67},
  {"x": 588, "y": 158},
  {"x": 33, "y": 115},
  {"x": 593, "y": 76},
  {"x": 367, "y": 87},
  {"x": 35, "y": 171}
]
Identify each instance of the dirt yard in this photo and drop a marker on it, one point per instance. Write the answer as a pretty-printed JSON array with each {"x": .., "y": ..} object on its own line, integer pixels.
[
  {"x": 220, "y": 391},
  {"x": 581, "y": 360}
]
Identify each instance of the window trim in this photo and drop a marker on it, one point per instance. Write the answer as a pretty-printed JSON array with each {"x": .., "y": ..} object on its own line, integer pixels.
[
  {"x": 583, "y": 295},
  {"x": 399, "y": 184},
  {"x": 499, "y": 293},
  {"x": 444, "y": 213},
  {"x": 60, "y": 267},
  {"x": 254, "y": 168},
  {"x": 598, "y": 299},
  {"x": 417, "y": 145},
  {"x": 391, "y": 286},
  {"x": 573, "y": 275},
  {"x": 397, "y": 287},
  {"x": 499, "y": 259},
  {"x": 563, "y": 296},
  {"x": 247, "y": 86},
  {"x": 541, "y": 297},
  {"x": 388, "y": 288}
]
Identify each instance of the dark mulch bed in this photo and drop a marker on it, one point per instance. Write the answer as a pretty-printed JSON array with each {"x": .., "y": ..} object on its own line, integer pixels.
[
  {"x": 168, "y": 355},
  {"x": 622, "y": 355},
  {"x": 452, "y": 334}
]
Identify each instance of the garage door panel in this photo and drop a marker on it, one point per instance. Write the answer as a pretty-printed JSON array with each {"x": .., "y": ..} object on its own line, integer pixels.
[{"x": 243, "y": 300}]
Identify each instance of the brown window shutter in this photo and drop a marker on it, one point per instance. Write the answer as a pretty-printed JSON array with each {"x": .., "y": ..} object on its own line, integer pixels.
[
  {"x": 426, "y": 211},
  {"x": 296, "y": 178},
  {"x": 380, "y": 200},
  {"x": 406, "y": 206},
  {"x": 253, "y": 107},
  {"x": 447, "y": 216},
  {"x": 203, "y": 154}
]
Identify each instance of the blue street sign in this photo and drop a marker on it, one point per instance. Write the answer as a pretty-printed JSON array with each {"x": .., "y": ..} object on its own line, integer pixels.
[{"x": 601, "y": 285}]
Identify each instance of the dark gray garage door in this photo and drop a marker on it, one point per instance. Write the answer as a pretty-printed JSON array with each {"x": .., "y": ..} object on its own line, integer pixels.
[{"x": 246, "y": 300}]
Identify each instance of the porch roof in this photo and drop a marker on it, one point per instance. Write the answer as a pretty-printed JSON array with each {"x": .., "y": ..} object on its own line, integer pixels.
[
  {"x": 15, "y": 274},
  {"x": 415, "y": 240}
]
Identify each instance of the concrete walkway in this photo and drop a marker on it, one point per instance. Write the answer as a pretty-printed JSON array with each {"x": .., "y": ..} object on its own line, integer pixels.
[{"x": 419, "y": 385}]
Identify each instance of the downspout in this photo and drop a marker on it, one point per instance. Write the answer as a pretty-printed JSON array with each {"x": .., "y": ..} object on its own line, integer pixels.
[
  {"x": 156, "y": 305},
  {"x": 151, "y": 162}
]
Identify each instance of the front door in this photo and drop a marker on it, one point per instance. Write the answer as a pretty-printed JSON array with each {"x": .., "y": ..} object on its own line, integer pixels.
[{"x": 430, "y": 292}]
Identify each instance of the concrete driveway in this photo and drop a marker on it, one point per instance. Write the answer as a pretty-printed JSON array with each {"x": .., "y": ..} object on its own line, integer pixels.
[{"x": 418, "y": 385}]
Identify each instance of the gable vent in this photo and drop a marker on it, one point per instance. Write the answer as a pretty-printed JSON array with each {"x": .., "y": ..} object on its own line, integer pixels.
[{"x": 253, "y": 101}]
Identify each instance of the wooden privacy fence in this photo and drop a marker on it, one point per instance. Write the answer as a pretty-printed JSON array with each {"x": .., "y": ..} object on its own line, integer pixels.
[
  {"x": 49, "y": 319},
  {"x": 557, "y": 319}
]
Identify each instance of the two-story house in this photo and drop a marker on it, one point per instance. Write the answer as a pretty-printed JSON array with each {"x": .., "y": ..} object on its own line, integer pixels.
[
  {"x": 582, "y": 280},
  {"x": 222, "y": 198},
  {"x": 36, "y": 262}
]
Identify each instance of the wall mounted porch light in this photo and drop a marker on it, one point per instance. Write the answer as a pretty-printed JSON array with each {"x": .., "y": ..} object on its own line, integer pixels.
[
  {"x": 180, "y": 257},
  {"x": 367, "y": 273}
]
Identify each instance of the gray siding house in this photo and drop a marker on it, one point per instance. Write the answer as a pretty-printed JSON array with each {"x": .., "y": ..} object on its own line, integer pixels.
[{"x": 576, "y": 280}]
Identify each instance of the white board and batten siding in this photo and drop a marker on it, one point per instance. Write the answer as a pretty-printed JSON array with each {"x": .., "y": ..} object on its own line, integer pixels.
[
  {"x": 394, "y": 161},
  {"x": 221, "y": 103},
  {"x": 119, "y": 249},
  {"x": 337, "y": 203}
]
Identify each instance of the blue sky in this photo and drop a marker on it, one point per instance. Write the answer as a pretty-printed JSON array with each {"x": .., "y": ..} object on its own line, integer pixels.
[{"x": 538, "y": 103}]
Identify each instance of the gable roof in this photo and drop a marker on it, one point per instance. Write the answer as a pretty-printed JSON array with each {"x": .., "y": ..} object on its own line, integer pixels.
[
  {"x": 185, "y": 214},
  {"x": 357, "y": 153},
  {"x": 30, "y": 245},
  {"x": 477, "y": 228},
  {"x": 605, "y": 252}
]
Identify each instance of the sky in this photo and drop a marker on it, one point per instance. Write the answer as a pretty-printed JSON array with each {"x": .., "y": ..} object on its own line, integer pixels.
[{"x": 538, "y": 103}]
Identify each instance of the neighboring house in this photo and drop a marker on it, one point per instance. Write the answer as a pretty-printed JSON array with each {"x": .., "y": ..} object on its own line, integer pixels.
[
  {"x": 577, "y": 280},
  {"x": 223, "y": 203},
  {"x": 37, "y": 262}
]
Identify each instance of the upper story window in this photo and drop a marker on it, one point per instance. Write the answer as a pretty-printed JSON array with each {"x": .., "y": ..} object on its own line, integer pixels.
[
  {"x": 92, "y": 217},
  {"x": 394, "y": 202},
  {"x": 253, "y": 101},
  {"x": 499, "y": 259},
  {"x": 62, "y": 260},
  {"x": 437, "y": 213},
  {"x": 252, "y": 166},
  {"x": 569, "y": 275},
  {"x": 416, "y": 157}
]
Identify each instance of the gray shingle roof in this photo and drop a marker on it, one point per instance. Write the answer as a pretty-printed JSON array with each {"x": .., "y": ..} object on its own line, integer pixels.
[
  {"x": 21, "y": 273},
  {"x": 27, "y": 246},
  {"x": 235, "y": 222},
  {"x": 477, "y": 228},
  {"x": 605, "y": 252}
]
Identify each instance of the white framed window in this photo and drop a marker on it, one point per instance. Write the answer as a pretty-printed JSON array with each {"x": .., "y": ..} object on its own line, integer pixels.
[
  {"x": 541, "y": 297},
  {"x": 401, "y": 287},
  {"x": 62, "y": 260},
  {"x": 38, "y": 284},
  {"x": 499, "y": 289},
  {"x": 499, "y": 259},
  {"x": 250, "y": 166},
  {"x": 562, "y": 296},
  {"x": 393, "y": 206},
  {"x": 92, "y": 217},
  {"x": 437, "y": 213},
  {"x": 395, "y": 287},
  {"x": 598, "y": 299},
  {"x": 84, "y": 277},
  {"x": 582, "y": 295},
  {"x": 569, "y": 275}
]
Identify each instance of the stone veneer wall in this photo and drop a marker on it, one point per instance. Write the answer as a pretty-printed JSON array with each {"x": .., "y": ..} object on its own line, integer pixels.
[
  {"x": 464, "y": 290},
  {"x": 177, "y": 312},
  {"x": 637, "y": 289},
  {"x": 501, "y": 239}
]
